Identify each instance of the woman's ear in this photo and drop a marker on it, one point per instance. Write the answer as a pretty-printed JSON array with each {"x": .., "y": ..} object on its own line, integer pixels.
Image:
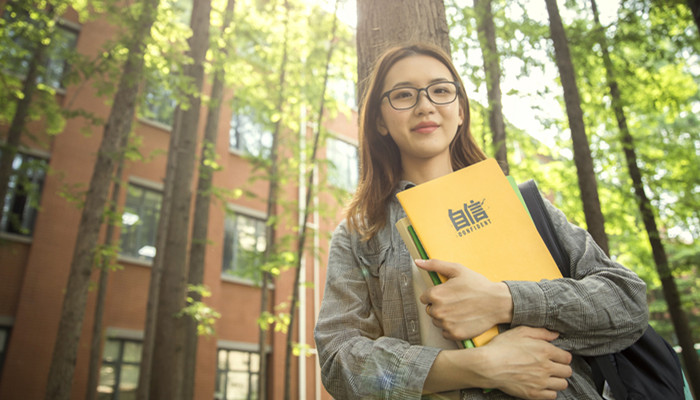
[
  {"x": 461, "y": 116},
  {"x": 381, "y": 127}
]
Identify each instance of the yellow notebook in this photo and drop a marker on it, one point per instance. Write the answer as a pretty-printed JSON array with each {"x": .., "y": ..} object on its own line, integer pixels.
[{"x": 474, "y": 217}]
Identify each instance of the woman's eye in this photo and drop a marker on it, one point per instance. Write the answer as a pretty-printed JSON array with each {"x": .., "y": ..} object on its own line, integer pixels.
[{"x": 402, "y": 94}]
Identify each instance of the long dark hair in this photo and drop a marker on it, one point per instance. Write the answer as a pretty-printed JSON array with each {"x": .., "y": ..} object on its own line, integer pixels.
[{"x": 380, "y": 160}]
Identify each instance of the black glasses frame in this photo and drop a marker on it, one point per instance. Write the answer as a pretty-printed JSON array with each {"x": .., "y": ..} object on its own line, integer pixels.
[{"x": 427, "y": 94}]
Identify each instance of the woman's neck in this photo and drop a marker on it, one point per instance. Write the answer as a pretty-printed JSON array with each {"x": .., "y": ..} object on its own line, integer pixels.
[{"x": 420, "y": 171}]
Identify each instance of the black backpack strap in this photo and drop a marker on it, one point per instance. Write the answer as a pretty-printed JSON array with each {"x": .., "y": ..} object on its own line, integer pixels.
[
  {"x": 545, "y": 227},
  {"x": 604, "y": 369}
]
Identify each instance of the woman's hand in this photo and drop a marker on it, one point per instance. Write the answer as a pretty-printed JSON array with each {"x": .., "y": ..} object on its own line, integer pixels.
[
  {"x": 467, "y": 304},
  {"x": 525, "y": 364},
  {"x": 521, "y": 362}
]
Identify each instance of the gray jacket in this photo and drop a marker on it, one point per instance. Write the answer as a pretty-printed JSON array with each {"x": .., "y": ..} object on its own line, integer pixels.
[{"x": 367, "y": 333}]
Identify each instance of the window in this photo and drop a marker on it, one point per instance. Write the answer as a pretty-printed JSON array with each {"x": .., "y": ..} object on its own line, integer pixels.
[
  {"x": 119, "y": 374},
  {"x": 63, "y": 43},
  {"x": 344, "y": 169},
  {"x": 4, "y": 338},
  {"x": 21, "y": 37},
  {"x": 244, "y": 245},
  {"x": 236, "y": 375},
  {"x": 23, "y": 194},
  {"x": 160, "y": 96},
  {"x": 158, "y": 104},
  {"x": 140, "y": 223},
  {"x": 248, "y": 136}
]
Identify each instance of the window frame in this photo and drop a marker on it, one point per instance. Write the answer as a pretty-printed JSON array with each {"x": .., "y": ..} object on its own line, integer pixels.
[
  {"x": 118, "y": 365},
  {"x": 234, "y": 211},
  {"x": 245, "y": 125},
  {"x": 35, "y": 155},
  {"x": 152, "y": 187},
  {"x": 231, "y": 347},
  {"x": 165, "y": 93},
  {"x": 57, "y": 83}
]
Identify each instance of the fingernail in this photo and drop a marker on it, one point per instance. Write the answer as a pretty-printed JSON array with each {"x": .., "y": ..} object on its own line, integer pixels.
[{"x": 419, "y": 261}]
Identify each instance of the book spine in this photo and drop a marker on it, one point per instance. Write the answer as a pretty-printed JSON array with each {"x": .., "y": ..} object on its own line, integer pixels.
[{"x": 468, "y": 343}]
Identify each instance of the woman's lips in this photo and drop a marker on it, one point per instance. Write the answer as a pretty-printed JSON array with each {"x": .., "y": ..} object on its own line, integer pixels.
[{"x": 425, "y": 127}]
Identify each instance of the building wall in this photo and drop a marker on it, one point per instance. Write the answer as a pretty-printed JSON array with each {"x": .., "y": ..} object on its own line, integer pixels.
[{"x": 34, "y": 271}]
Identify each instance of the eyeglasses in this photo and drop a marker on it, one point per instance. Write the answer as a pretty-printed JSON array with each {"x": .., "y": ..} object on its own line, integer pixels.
[{"x": 439, "y": 93}]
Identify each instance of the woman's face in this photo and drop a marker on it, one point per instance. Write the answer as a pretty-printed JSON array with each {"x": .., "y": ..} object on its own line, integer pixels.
[{"x": 424, "y": 132}]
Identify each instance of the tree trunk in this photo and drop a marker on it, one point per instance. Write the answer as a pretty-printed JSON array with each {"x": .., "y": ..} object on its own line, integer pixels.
[
  {"x": 118, "y": 125},
  {"x": 694, "y": 6},
  {"x": 96, "y": 343},
  {"x": 382, "y": 24},
  {"x": 168, "y": 350},
  {"x": 582, "y": 152},
  {"x": 301, "y": 243},
  {"x": 673, "y": 300},
  {"x": 487, "y": 40},
  {"x": 272, "y": 200},
  {"x": 145, "y": 372},
  {"x": 8, "y": 150},
  {"x": 200, "y": 224}
]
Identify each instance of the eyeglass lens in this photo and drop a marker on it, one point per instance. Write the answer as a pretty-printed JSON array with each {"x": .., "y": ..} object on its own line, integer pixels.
[{"x": 438, "y": 93}]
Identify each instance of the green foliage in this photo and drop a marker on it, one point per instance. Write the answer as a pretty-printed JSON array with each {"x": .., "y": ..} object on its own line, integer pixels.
[
  {"x": 200, "y": 312},
  {"x": 279, "y": 320},
  {"x": 655, "y": 54}
]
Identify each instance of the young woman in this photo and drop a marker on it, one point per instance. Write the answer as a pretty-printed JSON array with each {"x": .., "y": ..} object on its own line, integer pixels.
[{"x": 414, "y": 127}]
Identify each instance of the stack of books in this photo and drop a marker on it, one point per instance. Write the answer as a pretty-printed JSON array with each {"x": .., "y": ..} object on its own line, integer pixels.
[{"x": 475, "y": 217}]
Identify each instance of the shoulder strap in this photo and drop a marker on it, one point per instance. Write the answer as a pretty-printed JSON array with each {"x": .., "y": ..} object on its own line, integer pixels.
[{"x": 545, "y": 227}]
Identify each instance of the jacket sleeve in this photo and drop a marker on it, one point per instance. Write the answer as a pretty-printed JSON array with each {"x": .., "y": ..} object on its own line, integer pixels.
[
  {"x": 601, "y": 309},
  {"x": 357, "y": 360}
]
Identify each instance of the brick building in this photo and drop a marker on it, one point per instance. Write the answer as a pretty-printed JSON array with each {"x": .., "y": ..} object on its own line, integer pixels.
[{"x": 35, "y": 255}]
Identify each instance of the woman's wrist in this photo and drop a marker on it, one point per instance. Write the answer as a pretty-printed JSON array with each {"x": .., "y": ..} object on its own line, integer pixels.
[
  {"x": 505, "y": 302},
  {"x": 457, "y": 369}
]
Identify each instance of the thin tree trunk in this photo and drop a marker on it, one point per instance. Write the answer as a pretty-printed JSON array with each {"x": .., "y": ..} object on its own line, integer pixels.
[
  {"x": 673, "y": 300},
  {"x": 487, "y": 40},
  {"x": 301, "y": 243},
  {"x": 582, "y": 152},
  {"x": 412, "y": 20},
  {"x": 168, "y": 350},
  {"x": 200, "y": 224},
  {"x": 9, "y": 149},
  {"x": 271, "y": 230},
  {"x": 96, "y": 343},
  {"x": 118, "y": 125}
]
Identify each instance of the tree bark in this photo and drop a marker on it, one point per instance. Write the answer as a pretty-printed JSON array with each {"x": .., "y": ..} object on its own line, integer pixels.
[
  {"x": 200, "y": 224},
  {"x": 168, "y": 350},
  {"x": 670, "y": 290},
  {"x": 97, "y": 329},
  {"x": 582, "y": 153},
  {"x": 145, "y": 372},
  {"x": 382, "y": 24},
  {"x": 694, "y": 6},
  {"x": 486, "y": 30},
  {"x": 271, "y": 227},
  {"x": 118, "y": 125}
]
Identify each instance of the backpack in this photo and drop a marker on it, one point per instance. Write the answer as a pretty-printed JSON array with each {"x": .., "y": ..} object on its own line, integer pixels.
[{"x": 649, "y": 368}]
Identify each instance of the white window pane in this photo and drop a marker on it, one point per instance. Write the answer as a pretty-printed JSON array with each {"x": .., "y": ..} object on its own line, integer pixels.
[
  {"x": 140, "y": 222},
  {"x": 237, "y": 386}
]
